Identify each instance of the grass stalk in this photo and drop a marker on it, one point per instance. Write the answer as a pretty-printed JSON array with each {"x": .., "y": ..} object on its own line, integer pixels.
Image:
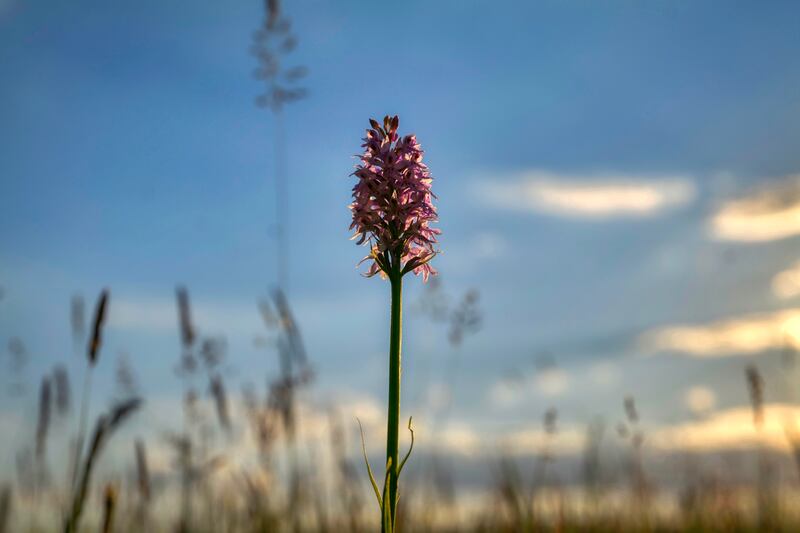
[
  {"x": 105, "y": 426},
  {"x": 109, "y": 508},
  {"x": 5, "y": 508},
  {"x": 92, "y": 354}
]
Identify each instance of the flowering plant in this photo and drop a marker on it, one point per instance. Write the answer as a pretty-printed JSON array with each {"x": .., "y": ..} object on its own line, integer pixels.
[{"x": 392, "y": 214}]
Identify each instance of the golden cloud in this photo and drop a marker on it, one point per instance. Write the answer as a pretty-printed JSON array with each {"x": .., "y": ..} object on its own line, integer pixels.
[
  {"x": 770, "y": 213},
  {"x": 743, "y": 335},
  {"x": 730, "y": 429},
  {"x": 786, "y": 284}
]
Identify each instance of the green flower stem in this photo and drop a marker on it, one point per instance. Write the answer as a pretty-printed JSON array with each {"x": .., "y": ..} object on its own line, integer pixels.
[{"x": 393, "y": 428}]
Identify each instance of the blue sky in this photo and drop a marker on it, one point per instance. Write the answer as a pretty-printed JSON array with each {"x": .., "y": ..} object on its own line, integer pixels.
[{"x": 605, "y": 173}]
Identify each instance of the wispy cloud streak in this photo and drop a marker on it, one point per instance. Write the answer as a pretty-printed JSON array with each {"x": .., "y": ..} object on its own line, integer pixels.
[{"x": 588, "y": 197}]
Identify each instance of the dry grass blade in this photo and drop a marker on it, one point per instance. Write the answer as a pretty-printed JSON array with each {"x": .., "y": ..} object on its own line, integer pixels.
[
  {"x": 142, "y": 471},
  {"x": 273, "y": 12},
  {"x": 109, "y": 507},
  {"x": 97, "y": 327},
  {"x": 185, "y": 317},
  {"x": 5, "y": 508},
  {"x": 289, "y": 326},
  {"x": 77, "y": 319},
  {"x": 755, "y": 385},
  {"x": 63, "y": 396},
  {"x": 220, "y": 401},
  {"x": 591, "y": 456},
  {"x": 125, "y": 378},
  {"x": 93, "y": 353},
  {"x": 550, "y": 420},
  {"x": 105, "y": 426},
  {"x": 466, "y": 318},
  {"x": 121, "y": 411},
  {"x": 630, "y": 410},
  {"x": 44, "y": 418}
]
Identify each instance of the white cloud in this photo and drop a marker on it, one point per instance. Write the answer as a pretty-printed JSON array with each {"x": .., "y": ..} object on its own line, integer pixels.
[
  {"x": 589, "y": 197},
  {"x": 604, "y": 374},
  {"x": 743, "y": 335},
  {"x": 505, "y": 393},
  {"x": 489, "y": 245},
  {"x": 468, "y": 255},
  {"x": 365, "y": 408},
  {"x": 551, "y": 381},
  {"x": 459, "y": 438},
  {"x": 786, "y": 284},
  {"x": 769, "y": 213},
  {"x": 700, "y": 399},
  {"x": 438, "y": 396}
]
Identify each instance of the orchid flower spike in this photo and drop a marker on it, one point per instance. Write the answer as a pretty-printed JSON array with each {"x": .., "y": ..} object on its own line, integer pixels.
[{"x": 393, "y": 204}]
